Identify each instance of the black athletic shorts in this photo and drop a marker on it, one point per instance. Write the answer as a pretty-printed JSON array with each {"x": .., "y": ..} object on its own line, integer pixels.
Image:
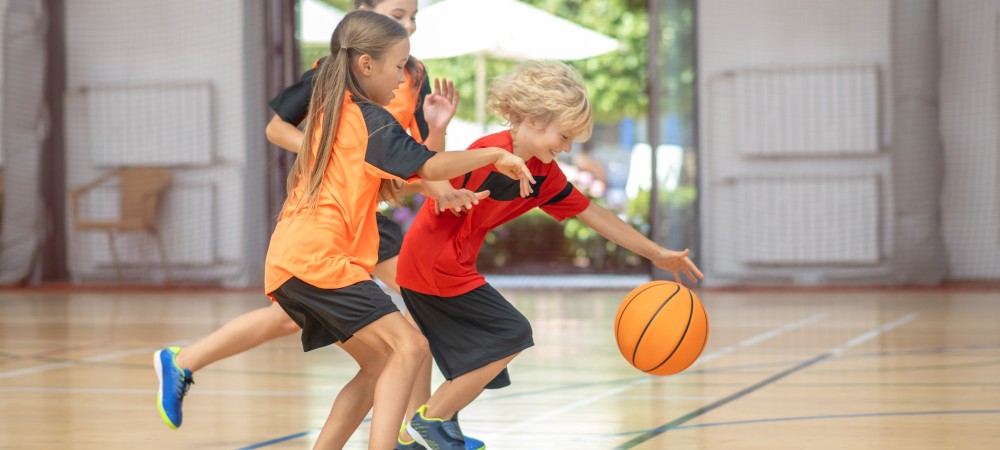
[
  {"x": 327, "y": 316},
  {"x": 390, "y": 237},
  {"x": 471, "y": 330}
]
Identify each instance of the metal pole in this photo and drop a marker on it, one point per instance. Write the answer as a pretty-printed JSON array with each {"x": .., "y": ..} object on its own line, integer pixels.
[
  {"x": 696, "y": 135},
  {"x": 653, "y": 115},
  {"x": 481, "y": 91},
  {"x": 53, "y": 167},
  {"x": 919, "y": 255},
  {"x": 283, "y": 68}
]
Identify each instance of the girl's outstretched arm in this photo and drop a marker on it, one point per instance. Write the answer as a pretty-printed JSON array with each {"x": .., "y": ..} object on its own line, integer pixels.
[
  {"x": 610, "y": 226},
  {"x": 447, "y": 165}
]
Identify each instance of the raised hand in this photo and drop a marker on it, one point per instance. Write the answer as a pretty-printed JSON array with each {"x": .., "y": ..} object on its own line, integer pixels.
[{"x": 440, "y": 105}]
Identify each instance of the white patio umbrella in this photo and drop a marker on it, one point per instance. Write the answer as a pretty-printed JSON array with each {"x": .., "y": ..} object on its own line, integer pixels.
[
  {"x": 317, "y": 21},
  {"x": 461, "y": 27}
]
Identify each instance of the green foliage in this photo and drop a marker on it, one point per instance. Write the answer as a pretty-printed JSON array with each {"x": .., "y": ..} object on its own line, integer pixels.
[
  {"x": 537, "y": 243},
  {"x": 343, "y": 5},
  {"x": 676, "y": 59},
  {"x": 462, "y": 70},
  {"x": 527, "y": 239},
  {"x": 310, "y": 52},
  {"x": 637, "y": 209},
  {"x": 616, "y": 81},
  {"x": 534, "y": 242}
]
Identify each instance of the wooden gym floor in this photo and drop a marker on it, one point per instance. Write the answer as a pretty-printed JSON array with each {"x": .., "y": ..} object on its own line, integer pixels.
[{"x": 858, "y": 369}]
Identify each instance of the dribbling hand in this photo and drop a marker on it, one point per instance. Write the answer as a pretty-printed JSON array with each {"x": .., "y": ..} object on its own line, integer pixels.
[{"x": 677, "y": 263}]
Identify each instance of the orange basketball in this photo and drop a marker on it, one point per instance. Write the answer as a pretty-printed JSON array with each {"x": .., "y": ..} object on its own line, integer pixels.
[{"x": 661, "y": 328}]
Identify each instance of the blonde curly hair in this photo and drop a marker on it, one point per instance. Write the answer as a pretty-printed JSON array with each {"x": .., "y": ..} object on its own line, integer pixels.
[{"x": 543, "y": 92}]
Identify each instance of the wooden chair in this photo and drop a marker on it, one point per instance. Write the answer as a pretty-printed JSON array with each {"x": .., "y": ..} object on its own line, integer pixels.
[{"x": 141, "y": 190}]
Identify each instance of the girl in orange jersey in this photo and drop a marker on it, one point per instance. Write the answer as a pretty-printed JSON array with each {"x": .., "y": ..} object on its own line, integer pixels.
[
  {"x": 325, "y": 243},
  {"x": 424, "y": 114}
]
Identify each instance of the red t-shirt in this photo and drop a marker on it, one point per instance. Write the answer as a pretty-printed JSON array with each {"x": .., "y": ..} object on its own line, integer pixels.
[{"x": 439, "y": 252}]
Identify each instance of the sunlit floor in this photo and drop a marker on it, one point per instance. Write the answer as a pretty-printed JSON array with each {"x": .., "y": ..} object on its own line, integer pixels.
[{"x": 857, "y": 369}]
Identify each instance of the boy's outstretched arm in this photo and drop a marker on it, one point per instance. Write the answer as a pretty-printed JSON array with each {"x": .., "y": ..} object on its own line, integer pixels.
[{"x": 610, "y": 226}]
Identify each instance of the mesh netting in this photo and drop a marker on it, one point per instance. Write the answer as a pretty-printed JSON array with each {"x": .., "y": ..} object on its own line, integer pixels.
[
  {"x": 848, "y": 142},
  {"x": 809, "y": 142}
]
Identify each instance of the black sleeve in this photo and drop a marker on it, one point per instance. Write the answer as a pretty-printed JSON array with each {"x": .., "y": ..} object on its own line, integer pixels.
[
  {"x": 292, "y": 104},
  {"x": 418, "y": 115},
  {"x": 390, "y": 148}
]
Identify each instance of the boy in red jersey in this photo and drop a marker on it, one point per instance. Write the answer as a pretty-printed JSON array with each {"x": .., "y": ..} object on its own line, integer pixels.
[{"x": 472, "y": 330}]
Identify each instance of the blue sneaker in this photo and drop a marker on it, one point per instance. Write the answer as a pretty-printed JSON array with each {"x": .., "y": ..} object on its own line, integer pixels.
[
  {"x": 174, "y": 384},
  {"x": 412, "y": 445},
  {"x": 403, "y": 445},
  {"x": 470, "y": 443},
  {"x": 435, "y": 434}
]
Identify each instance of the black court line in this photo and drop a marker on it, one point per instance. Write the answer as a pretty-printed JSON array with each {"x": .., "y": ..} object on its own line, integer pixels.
[
  {"x": 825, "y": 417},
  {"x": 704, "y": 409},
  {"x": 802, "y": 365},
  {"x": 676, "y": 424}
]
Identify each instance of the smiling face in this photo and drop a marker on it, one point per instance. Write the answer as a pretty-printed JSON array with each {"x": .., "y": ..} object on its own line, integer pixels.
[
  {"x": 544, "y": 143},
  {"x": 404, "y": 12},
  {"x": 380, "y": 77}
]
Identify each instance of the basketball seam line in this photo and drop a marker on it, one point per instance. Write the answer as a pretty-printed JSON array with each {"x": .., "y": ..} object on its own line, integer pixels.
[
  {"x": 681, "y": 340},
  {"x": 651, "y": 319},
  {"x": 630, "y": 299}
]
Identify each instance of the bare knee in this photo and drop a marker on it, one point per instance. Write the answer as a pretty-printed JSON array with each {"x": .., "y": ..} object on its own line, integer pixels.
[
  {"x": 371, "y": 366},
  {"x": 414, "y": 347}
]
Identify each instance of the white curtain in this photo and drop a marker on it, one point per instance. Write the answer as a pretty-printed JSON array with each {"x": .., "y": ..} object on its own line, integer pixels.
[
  {"x": 24, "y": 126},
  {"x": 919, "y": 255}
]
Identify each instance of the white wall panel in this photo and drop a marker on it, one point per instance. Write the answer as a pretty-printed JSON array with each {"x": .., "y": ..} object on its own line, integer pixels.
[
  {"x": 808, "y": 112},
  {"x": 155, "y": 124},
  {"x": 815, "y": 220}
]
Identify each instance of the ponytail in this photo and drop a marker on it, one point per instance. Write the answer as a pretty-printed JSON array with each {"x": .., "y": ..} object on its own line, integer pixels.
[{"x": 359, "y": 33}]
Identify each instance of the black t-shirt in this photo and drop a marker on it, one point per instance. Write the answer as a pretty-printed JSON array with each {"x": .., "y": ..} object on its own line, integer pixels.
[{"x": 292, "y": 104}]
